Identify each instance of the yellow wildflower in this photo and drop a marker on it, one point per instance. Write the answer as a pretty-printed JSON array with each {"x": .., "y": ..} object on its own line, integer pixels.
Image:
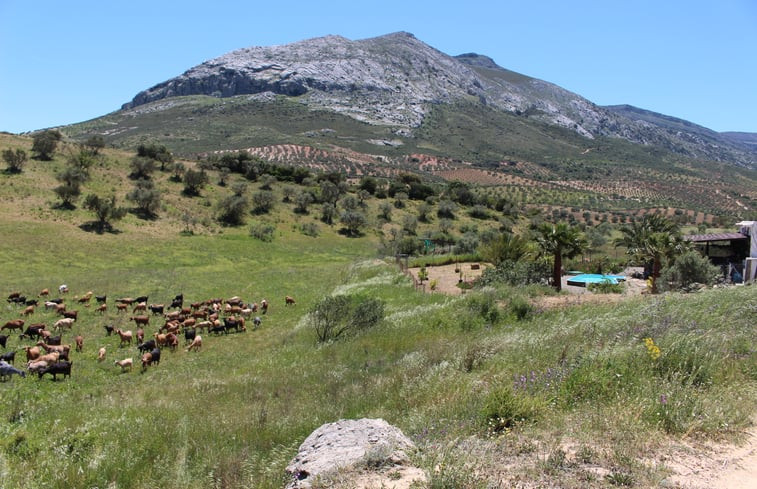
[{"x": 652, "y": 349}]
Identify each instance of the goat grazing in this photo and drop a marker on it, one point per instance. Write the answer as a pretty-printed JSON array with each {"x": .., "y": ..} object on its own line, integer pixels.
[
  {"x": 36, "y": 366},
  {"x": 6, "y": 370},
  {"x": 125, "y": 337},
  {"x": 32, "y": 352},
  {"x": 14, "y": 324},
  {"x": 125, "y": 364},
  {"x": 63, "y": 368},
  {"x": 196, "y": 344},
  {"x": 150, "y": 358},
  {"x": 63, "y": 323},
  {"x": 141, "y": 320},
  {"x": 9, "y": 356}
]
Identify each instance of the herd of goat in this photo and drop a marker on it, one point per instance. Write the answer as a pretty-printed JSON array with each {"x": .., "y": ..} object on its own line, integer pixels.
[{"x": 51, "y": 355}]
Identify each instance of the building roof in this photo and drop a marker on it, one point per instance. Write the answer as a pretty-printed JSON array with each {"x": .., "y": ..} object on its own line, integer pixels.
[{"x": 703, "y": 238}]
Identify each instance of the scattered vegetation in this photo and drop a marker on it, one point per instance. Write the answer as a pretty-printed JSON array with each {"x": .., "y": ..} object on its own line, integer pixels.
[{"x": 490, "y": 385}]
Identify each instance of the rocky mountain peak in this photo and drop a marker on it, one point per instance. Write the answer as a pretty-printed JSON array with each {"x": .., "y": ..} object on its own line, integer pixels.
[
  {"x": 395, "y": 79},
  {"x": 478, "y": 60}
]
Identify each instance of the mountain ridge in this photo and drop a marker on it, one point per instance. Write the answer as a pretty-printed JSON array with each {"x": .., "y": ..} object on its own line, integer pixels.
[{"x": 394, "y": 80}]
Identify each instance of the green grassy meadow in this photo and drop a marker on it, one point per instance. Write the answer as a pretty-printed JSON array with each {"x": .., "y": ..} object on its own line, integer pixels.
[{"x": 491, "y": 400}]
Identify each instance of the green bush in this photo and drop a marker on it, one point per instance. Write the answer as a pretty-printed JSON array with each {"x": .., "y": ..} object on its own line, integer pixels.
[
  {"x": 521, "y": 308},
  {"x": 484, "y": 305},
  {"x": 504, "y": 409},
  {"x": 309, "y": 229},
  {"x": 605, "y": 287},
  {"x": 262, "y": 231},
  {"x": 367, "y": 312},
  {"x": 514, "y": 273},
  {"x": 689, "y": 268},
  {"x": 335, "y": 316}
]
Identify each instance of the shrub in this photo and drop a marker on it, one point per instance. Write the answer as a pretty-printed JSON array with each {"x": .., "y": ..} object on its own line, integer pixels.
[
  {"x": 45, "y": 143},
  {"x": 521, "y": 308},
  {"x": 479, "y": 212},
  {"x": 262, "y": 231},
  {"x": 231, "y": 209},
  {"x": 688, "y": 268},
  {"x": 484, "y": 304},
  {"x": 335, "y": 316},
  {"x": 504, "y": 409},
  {"x": 409, "y": 224},
  {"x": 468, "y": 243},
  {"x": 309, "y": 229},
  {"x": 14, "y": 159},
  {"x": 142, "y": 168},
  {"x": 263, "y": 201},
  {"x": 194, "y": 181},
  {"x": 446, "y": 209},
  {"x": 605, "y": 287},
  {"x": 385, "y": 211},
  {"x": 367, "y": 312},
  {"x": 352, "y": 221},
  {"x": 146, "y": 197},
  {"x": 514, "y": 273},
  {"x": 105, "y": 209}
]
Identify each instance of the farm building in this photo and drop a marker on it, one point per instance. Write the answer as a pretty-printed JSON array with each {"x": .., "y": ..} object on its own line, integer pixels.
[{"x": 735, "y": 253}]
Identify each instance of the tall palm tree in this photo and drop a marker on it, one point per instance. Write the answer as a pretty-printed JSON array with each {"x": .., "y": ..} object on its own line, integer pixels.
[
  {"x": 650, "y": 240},
  {"x": 560, "y": 240}
]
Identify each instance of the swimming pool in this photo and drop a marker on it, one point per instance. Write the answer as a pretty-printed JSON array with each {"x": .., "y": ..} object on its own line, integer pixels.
[{"x": 594, "y": 278}]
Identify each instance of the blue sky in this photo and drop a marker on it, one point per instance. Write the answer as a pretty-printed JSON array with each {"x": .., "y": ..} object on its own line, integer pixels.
[{"x": 66, "y": 62}]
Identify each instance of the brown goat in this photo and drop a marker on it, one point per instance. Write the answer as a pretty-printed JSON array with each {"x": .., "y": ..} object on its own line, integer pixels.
[
  {"x": 140, "y": 320},
  {"x": 125, "y": 337},
  {"x": 14, "y": 324},
  {"x": 32, "y": 352}
]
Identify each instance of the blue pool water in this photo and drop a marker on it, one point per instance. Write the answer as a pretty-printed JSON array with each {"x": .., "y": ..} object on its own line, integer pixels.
[{"x": 594, "y": 278}]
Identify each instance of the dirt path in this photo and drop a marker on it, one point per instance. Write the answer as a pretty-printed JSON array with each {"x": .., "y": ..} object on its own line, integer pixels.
[{"x": 717, "y": 466}]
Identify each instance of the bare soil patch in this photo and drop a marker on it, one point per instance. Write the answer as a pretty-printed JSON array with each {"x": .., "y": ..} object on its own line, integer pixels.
[
  {"x": 715, "y": 466},
  {"x": 447, "y": 277}
]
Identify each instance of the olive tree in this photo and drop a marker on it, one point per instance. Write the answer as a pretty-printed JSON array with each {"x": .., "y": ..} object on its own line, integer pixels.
[
  {"x": 45, "y": 143},
  {"x": 233, "y": 208},
  {"x": 14, "y": 159},
  {"x": 105, "y": 209},
  {"x": 146, "y": 197},
  {"x": 193, "y": 181}
]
